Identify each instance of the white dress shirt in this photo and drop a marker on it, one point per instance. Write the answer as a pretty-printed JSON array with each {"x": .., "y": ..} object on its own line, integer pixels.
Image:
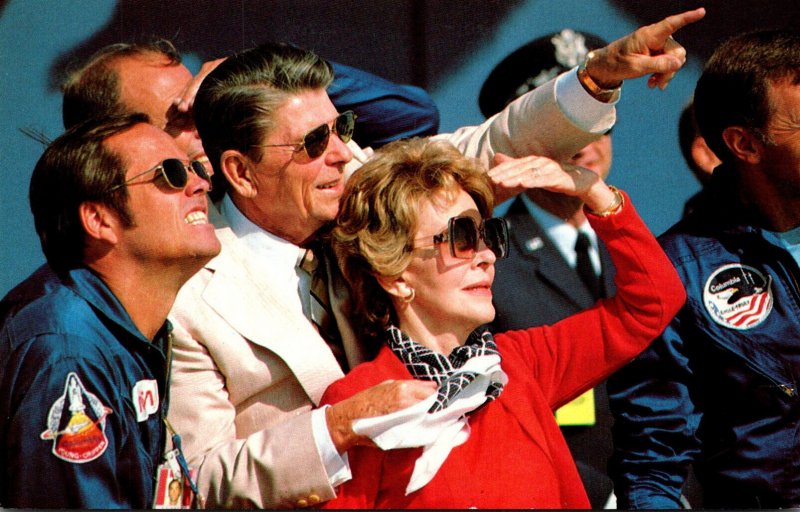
[{"x": 564, "y": 235}]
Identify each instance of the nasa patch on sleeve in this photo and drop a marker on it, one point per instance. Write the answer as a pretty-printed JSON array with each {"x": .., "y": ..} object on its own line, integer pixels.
[{"x": 738, "y": 296}]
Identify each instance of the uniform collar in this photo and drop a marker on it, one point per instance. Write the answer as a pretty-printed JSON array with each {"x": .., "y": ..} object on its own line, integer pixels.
[{"x": 88, "y": 285}]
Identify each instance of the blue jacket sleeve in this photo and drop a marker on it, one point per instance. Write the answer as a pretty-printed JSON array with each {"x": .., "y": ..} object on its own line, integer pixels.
[
  {"x": 386, "y": 111},
  {"x": 65, "y": 435},
  {"x": 655, "y": 421}
]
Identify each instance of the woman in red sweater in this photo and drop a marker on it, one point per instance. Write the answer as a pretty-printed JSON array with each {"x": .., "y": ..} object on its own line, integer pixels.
[{"x": 415, "y": 243}]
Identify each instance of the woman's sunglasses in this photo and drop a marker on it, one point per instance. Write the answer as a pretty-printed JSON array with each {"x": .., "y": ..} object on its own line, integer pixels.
[
  {"x": 174, "y": 172},
  {"x": 316, "y": 141},
  {"x": 463, "y": 235}
]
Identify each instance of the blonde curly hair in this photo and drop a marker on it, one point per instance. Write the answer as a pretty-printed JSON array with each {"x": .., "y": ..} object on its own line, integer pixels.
[{"x": 379, "y": 217}]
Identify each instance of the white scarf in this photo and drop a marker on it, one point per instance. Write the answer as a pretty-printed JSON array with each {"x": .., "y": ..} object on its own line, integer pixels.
[{"x": 437, "y": 432}]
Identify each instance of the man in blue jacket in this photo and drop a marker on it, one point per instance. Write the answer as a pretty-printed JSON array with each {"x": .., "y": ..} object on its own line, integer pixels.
[
  {"x": 719, "y": 388},
  {"x": 85, "y": 345}
]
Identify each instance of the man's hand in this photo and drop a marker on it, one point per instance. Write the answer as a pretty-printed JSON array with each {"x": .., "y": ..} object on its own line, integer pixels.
[
  {"x": 185, "y": 100},
  {"x": 650, "y": 50},
  {"x": 385, "y": 398}
]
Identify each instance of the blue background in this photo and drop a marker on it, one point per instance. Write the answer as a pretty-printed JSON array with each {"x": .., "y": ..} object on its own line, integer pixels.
[{"x": 448, "y": 47}]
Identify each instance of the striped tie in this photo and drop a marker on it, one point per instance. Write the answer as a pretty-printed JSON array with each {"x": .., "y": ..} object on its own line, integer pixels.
[{"x": 320, "y": 305}]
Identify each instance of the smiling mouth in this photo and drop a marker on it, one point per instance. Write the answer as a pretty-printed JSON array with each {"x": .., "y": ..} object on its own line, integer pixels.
[
  {"x": 329, "y": 185},
  {"x": 196, "y": 218}
]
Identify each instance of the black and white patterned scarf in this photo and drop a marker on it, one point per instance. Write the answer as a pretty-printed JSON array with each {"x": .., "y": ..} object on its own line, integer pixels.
[{"x": 425, "y": 364}]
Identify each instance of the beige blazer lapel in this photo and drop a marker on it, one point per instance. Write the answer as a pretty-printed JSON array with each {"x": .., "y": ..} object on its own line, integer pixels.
[{"x": 240, "y": 292}]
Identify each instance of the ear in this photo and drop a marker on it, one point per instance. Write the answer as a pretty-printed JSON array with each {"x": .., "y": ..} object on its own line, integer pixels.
[
  {"x": 395, "y": 286},
  {"x": 237, "y": 170},
  {"x": 743, "y": 143},
  {"x": 703, "y": 156},
  {"x": 99, "y": 222}
]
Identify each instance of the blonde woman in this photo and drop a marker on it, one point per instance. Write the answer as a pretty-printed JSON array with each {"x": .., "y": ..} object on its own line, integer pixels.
[{"x": 416, "y": 244}]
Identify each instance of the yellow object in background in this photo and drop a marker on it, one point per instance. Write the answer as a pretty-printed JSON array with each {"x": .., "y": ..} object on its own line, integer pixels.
[{"x": 579, "y": 412}]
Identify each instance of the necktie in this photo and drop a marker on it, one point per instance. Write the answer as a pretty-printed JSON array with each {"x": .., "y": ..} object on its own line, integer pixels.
[
  {"x": 320, "y": 309},
  {"x": 584, "y": 265}
]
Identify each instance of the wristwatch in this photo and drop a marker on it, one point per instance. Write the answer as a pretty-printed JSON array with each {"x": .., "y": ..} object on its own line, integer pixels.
[{"x": 588, "y": 83}]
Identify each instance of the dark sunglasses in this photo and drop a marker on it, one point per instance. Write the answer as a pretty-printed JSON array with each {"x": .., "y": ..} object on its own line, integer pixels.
[
  {"x": 463, "y": 235},
  {"x": 316, "y": 141},
  {"x": 174, "y": 172}
]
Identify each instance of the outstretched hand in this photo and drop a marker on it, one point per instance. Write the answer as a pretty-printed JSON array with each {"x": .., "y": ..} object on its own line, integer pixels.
[{"x": 650, "y": 50}]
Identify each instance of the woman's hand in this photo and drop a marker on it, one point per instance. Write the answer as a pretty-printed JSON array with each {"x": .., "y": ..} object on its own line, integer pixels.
[{"x": 511, "y": 176}]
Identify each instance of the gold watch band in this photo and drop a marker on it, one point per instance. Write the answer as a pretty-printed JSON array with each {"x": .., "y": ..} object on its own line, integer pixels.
[{"x": 588, "y": 83}]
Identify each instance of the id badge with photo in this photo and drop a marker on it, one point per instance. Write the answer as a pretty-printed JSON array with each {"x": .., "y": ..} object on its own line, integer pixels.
[{"x": 174, "y": 485}]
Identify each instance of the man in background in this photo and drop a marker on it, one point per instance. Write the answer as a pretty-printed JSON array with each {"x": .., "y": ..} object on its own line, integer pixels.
[
  {"x": 149, "y": 77},
  {"x": 698, "y": 156}
]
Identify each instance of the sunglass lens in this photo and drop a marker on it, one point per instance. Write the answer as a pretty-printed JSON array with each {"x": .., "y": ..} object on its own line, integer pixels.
[
  {"x": 345, "y": 125},
  {"x": 463, "y": 237},
  {"x": 495, "y": 234},
  {"x": 316, "y": 140},
  {"x": 174, "y": 172},
  {"x": 200, "y": 170}
]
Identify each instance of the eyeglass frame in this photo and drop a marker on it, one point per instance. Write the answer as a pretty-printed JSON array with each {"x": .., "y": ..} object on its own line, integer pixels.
[
  {"x": 160, "y": 169},
  {"x": 479, "y": 230},
  {"x": 328, "y": 128}
]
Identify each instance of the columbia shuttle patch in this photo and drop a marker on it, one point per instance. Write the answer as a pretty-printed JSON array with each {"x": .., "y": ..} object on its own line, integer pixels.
[{"x": 738, "y": 296}]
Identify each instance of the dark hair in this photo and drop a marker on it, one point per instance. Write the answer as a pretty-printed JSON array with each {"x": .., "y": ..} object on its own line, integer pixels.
[
  {"x": 93, "y": 89},
  {"x": 235, "y": 104},
  {"x": 732, "y": 91},
  {"x": 75, "y": 168},
  {"x": 379, "y": 216}
]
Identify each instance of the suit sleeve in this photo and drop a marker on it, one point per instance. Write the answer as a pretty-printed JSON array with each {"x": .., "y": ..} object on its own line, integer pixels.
[
  {"x": 537, "y": 123},
  {"x": 580, "y": 351},
  {"x": 386, "y": 111},
  {"x": 365, "y": 462},
  {"x": 276, "y": 467},
  {"x": 655, "y": 424}
]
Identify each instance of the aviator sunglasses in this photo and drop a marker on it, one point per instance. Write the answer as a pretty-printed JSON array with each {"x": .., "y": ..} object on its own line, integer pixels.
[
  {"x": 174, "y": 172},
  {"x": 315, "y": 141},
  {"x": 463, "y": 235}
]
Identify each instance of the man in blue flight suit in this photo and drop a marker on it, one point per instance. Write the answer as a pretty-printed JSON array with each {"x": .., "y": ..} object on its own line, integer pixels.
[
  {"x": 85, "y": 345},
  {"x": 718, "y": 390}
]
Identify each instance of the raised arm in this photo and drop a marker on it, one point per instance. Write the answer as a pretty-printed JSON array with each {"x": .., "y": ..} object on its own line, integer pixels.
[
  {"x": 564, "y": 115},
  {"x": 386, "y": 111}
]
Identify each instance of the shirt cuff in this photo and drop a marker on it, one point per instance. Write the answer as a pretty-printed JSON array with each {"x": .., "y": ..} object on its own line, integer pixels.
[
  {"x": 336, "y": 466},
  {"x": 580, "y": 107}
]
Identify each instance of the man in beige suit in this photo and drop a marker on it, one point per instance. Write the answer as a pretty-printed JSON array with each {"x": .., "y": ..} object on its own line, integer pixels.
[{"x": 248, "y": 366}]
